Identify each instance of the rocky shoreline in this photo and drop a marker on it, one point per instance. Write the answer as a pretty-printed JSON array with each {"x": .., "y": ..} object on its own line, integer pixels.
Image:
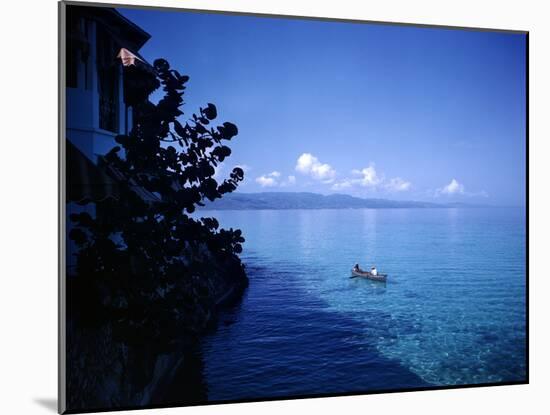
[{"x": 103, "y": 372}]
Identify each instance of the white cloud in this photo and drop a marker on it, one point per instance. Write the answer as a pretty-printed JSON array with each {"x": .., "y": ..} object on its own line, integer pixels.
[
  {"x": 342, "y": 185},
  {"x": 275, "y": 179},
  {"x": 310, "y": 165},
  {"x": 369, "y": 176},
  {"x": 265, "y": 181},
  {"x": 268, "y": 180},
  {"x": 397, "y": 184},
  {"x": 290, "y": 181},
  {"x": 455, "y": 188},
  {"x": 366, "y": 177},
  {"x": 370, "y": 179},
  {"x": 452, "y": 188}
]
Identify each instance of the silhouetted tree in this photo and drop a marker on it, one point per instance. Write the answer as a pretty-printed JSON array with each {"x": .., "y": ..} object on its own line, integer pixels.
[{"x": 146, "y": 266}]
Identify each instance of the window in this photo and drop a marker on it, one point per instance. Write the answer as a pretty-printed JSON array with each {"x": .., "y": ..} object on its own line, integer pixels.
[
  {"x": 72, "y": 67},
  {"x": 108, "y": 81},
  {"x": 73, "y": 31}
]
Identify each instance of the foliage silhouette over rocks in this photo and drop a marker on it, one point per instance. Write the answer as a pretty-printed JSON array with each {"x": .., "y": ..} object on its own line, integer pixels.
[{"x": 146, "y": 267}]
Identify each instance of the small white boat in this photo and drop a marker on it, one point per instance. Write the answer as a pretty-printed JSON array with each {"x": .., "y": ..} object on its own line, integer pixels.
[{"x": 358, "y": 273}]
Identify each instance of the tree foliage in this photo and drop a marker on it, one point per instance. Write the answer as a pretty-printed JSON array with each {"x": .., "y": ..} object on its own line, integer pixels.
[{"x": 145, "y": 266}]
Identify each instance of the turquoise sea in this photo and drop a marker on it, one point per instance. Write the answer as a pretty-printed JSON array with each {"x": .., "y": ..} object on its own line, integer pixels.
[{"x": 451, "y": 313}]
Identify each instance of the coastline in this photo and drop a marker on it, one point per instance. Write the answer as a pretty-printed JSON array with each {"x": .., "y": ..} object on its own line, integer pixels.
[{"x": 148, "y": 374}]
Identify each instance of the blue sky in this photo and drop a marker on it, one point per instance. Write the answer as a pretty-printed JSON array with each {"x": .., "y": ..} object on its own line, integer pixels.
[{"x": 370, "y": 110}]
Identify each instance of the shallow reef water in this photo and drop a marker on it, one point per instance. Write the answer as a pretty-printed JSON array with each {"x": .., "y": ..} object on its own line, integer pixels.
[{"x": 451, "y": 313}]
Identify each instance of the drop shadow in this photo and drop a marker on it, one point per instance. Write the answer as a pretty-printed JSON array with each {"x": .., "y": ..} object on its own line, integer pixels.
[{"x": 48, "y": 403}]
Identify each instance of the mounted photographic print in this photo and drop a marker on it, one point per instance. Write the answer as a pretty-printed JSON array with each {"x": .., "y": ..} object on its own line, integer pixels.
[{"x": 259, "y": 207}]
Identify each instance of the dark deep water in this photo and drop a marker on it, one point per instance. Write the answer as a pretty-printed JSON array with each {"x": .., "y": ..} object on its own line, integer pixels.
[
  {"x": 452, "y": 312},
  {"x": 287, "y": 343}
]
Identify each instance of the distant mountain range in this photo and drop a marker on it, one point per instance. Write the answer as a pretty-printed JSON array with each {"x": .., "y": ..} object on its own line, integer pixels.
[{"x": 305, "y": 200}]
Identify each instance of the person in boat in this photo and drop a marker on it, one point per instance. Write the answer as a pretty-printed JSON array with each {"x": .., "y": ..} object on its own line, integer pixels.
[
  {"x": 373, "y": 271},
  {"x": 356, "y": 267}
]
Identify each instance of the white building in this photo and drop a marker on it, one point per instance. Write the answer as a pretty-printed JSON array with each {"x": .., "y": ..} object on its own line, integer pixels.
[
  {"x": 96, "y": 107},
  {"x": 102, "y": 62}
]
